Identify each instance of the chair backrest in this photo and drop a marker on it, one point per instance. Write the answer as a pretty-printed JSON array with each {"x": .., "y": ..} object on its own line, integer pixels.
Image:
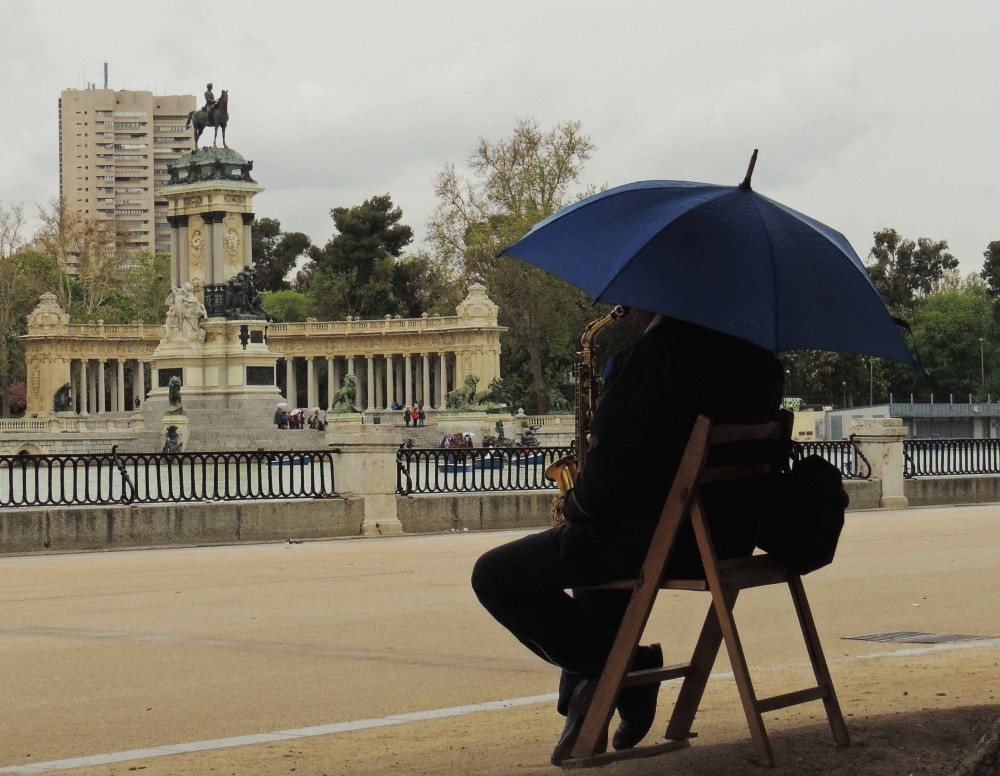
[{"x": 738, "y": 451}]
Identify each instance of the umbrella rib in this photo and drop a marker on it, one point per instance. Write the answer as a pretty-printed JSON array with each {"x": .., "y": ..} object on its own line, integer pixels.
[
  {"x": 774, "y": 270},
  {"x": 722, "y": 190}
]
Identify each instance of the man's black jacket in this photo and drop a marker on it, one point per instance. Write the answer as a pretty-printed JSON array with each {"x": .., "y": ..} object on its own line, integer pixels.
[{"x": 652, "y": 396}]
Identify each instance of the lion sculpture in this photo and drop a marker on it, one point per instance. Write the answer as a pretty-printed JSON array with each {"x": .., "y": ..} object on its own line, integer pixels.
[{"x": 343, "y": 400}]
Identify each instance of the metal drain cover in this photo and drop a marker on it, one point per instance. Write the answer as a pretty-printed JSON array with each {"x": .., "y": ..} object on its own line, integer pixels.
[{"x": 915, "y": 637}]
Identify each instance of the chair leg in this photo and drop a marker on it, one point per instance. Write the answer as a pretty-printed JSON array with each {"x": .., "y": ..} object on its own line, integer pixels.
[
  {"x": 693, "y": 688},
  {"x": 731, "y": 636},
  {"x": 820, "y": 669}
]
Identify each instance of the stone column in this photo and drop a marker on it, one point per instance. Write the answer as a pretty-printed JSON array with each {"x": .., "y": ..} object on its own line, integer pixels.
[
  {"x": 357, "y": 381},
  {"x": 101, "y": 385},
  {"x": 218, "y": 248},
  {"x": 139, "y": 379},
  {"x": 371, "y": 382},
  {"x": 408, "y": 379},
  {"x": 183, "y": 266},
  {"x": 121, "y": 386},
  {"x": 154, "y": 377},
  {"x": 336, "y": 374},
  {"x": 175, "y": 250},
  {"x": 311, "y": 392},
  {"x": 291, "y": 395},
  {"x": 331, "y": 385},
  {"x": 112, "y": 389},
  {"x": 390, "y": 383},
  {"x": 442, "y": 379},
  {"x": 93, "y": 387},
  {"x": 426, "y": 373},
  {"x": 379, "y": 384},
  {"x": 881, "y": 441},
  {"x": 247, "y": 240},
  {"x": 84, "y": 398}
]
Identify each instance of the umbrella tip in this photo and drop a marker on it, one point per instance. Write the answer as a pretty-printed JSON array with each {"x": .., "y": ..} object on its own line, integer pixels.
[{"x": 746, "y": 181}]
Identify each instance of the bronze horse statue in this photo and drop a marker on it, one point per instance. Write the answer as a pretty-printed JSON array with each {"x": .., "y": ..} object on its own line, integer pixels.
[{"x": 216, "y": 116}]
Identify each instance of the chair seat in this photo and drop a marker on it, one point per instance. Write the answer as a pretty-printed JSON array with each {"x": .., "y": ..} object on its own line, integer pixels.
[{"x": 738, "y": 574}]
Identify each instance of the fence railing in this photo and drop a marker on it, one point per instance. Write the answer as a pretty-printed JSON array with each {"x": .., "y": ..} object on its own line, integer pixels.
[
  {"x": 942, "y": 457},
  {"x": 143, "y": 478},
  {"x": 843, "y": 454},
  {"x": 470, "y": 470}
]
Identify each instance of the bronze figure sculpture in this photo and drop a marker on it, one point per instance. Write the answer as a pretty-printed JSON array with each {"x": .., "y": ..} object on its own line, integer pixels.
[{"x": 214, "y": 114}]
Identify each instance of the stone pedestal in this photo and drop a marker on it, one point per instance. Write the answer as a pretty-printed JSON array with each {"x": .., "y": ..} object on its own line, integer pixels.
[
  {"x": 234, "y": 359},
  {"x": 364, "y": 464},
  {"x": 183, "y": 429},
  {"x": 881, "y": 441}
]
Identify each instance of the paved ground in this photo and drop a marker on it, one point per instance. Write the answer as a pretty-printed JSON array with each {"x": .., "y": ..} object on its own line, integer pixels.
[{"x": 105, "y": 652}]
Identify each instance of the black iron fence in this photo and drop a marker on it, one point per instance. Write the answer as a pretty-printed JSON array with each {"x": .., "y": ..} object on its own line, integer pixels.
[
  {"x": 843, "y": 454},
  {"x": 942, "y": 457},
  {"x": 469, "y": 470},
  {"x": 144, "y": 478}
]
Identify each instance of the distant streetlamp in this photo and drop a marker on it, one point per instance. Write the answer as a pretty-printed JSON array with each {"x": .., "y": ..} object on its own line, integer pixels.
[
  {"x": 871, "y": 383},
  {"x": 844, "y": 386}
]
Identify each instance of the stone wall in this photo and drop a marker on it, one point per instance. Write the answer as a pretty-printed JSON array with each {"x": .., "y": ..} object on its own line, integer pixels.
[
  {"x": 940, "y": 491},
  {"x": 232, "y": 522},
  {"x": 152, "y": 525}
]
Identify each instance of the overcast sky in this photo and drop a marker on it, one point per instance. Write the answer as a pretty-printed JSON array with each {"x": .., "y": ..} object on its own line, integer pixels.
[{"x": 867, "y": 114}]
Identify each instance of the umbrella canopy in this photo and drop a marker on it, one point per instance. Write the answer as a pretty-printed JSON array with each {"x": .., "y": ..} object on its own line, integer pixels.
[
  {"x": 723, "y": 257},
  {"x": 281, "y": 404}
]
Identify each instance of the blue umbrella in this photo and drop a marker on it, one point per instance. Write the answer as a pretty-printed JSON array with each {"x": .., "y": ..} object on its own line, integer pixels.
[{"x": 723, "y": 257}]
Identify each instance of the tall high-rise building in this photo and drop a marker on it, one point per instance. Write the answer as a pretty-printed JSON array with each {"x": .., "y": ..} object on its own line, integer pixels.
[{"x": 114, "y": 147}]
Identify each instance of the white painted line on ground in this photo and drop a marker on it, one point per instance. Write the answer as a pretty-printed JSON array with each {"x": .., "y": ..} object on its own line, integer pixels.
[
  {"x": 401, "y": 719},
  {"x": 280, "y": 735}
]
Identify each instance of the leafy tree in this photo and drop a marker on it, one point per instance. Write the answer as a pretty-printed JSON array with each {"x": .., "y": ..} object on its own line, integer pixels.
[
  {"x": 287, "y": 306},
  {"x": 23, "y": 278},
  {"x": 903, "y": 270},
  {"x": 275, "y": 253},
  {"x": 516, "y": 182},
  {"x": 355, "y": 273},
  {"x": 948, "y": 326},
  {"x": 991, "y": 270}
]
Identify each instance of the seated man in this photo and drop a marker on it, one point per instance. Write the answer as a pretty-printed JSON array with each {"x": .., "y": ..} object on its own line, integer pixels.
[{"x": 652, "y": 395}]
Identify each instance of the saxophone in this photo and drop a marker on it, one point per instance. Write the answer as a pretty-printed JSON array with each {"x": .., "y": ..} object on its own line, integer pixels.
[{"x": 563, "y": 472}]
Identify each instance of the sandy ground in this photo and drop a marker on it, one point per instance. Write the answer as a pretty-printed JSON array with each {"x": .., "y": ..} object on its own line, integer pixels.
[{"x": 106, "y": 652}]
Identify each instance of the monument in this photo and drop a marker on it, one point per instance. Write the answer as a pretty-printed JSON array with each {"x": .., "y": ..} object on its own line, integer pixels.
[{"x": 215, "y": 335}]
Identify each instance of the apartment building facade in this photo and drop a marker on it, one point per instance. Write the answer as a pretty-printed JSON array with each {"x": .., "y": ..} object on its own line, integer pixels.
[{"x": 114, "y": 148}]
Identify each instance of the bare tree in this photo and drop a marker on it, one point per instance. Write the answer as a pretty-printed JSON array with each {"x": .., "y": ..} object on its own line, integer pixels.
[
  {"x": 12, "y": 223},
  {"x": 94, "y": 250}
]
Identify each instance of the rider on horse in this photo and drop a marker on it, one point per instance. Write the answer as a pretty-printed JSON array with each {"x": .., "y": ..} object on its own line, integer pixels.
[{"x": 209, "y": 100}]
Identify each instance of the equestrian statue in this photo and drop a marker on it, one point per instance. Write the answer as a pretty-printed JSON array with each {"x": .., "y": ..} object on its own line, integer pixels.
[{"x": 214, "y": 114}]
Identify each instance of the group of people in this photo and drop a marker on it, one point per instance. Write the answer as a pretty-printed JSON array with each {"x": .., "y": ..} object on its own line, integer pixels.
[
  {"x": 454, "y": 441},
  {"x": 414, "y": 414},
  {"x": 296, "y": 419}
]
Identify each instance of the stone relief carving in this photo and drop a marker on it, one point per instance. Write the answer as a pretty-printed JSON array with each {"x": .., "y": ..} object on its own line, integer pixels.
[
  {"x": 185, "y": 315},
  {"x": 192, "y": 201},
  {"x": 236, "y": 199},
  {"x": 197, "y": 242},
  {"x": 232, "y": 243}
]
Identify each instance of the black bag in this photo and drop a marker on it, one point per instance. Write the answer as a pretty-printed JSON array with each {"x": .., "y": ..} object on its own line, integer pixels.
[{"x": 805, "y": 515}]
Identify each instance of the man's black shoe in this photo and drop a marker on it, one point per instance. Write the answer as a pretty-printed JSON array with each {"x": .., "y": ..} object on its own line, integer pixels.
[
  {"x": 637, "y": 705},
  {"x": 579, "y": 702}
]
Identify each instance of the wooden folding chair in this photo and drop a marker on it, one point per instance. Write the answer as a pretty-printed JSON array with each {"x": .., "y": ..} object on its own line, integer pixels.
[{"x": 724, "y": 579}]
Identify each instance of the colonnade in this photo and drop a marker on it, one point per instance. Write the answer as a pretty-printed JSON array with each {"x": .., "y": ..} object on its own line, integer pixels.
[
  {"x": 99, "y": 385},
  {"x": 381, "y": 380}
]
